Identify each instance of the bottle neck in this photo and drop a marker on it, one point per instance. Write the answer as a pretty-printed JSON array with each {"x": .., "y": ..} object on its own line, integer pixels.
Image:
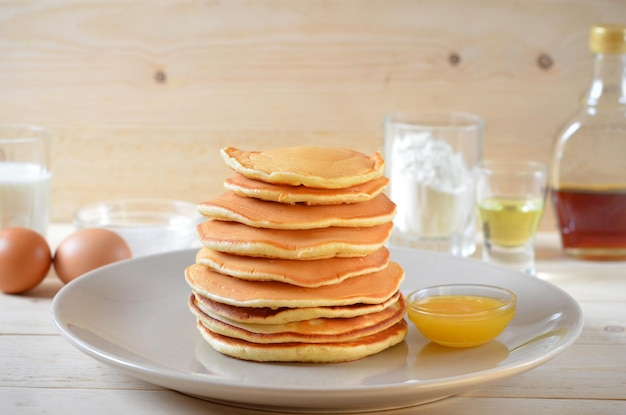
[{"x": 608, "y": 86}]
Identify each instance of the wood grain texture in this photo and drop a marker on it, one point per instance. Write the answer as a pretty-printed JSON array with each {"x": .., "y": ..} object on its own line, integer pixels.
[
  {"x": 142, "y": 94},
  {"x": 162, "y": 402}
]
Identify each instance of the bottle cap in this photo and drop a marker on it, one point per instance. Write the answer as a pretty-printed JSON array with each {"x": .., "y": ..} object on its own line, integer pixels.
[{"x": 607, "y": 38}]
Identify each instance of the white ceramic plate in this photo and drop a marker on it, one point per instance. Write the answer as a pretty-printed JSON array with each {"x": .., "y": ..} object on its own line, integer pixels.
[{"x": 133, "y": 315}]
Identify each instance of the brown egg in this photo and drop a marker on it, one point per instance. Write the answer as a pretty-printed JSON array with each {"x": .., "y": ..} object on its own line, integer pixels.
[
  {"x": 25, "y": 259},
  {"x": 88, "y": 249}
]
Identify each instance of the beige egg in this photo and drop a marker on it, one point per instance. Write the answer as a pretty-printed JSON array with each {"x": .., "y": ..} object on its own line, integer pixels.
[
  {"x": 88, "y": 249},
  {"x": 25, "y": 259}
]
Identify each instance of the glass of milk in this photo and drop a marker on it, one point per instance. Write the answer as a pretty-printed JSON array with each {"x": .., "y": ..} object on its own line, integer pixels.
[
  {"x": 430, "y": 157},
  {"x": 25, "y": 177}
]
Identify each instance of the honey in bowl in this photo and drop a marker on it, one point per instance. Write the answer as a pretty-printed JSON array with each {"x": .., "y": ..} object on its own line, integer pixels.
[{"x": 461, "y": 315}]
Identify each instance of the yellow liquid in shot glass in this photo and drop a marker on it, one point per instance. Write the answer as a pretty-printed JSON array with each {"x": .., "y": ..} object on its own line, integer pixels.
[
  {"x": 460, "y": 320},
  {"x": 510, "y": 222}
]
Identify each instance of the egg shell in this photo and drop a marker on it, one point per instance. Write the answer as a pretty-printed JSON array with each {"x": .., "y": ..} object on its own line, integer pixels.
[
  {"x": 25, "y": 259},
  {"x": 88, "y": 249}
]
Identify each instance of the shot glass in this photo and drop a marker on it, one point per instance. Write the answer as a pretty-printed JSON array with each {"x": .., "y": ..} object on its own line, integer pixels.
[
  {"x": 510, "y": 198},
  {"x": 430, "y": 159},
  {"x": 25, "y": 177}
]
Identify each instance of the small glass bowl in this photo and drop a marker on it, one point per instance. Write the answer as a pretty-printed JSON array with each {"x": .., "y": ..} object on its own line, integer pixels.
[
  {"x": 461, "y": 315},
  {"x": 149, "y": 226}
]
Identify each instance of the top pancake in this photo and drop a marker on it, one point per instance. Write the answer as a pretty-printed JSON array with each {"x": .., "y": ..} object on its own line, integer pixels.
[
  {"x": 318, "y": 167},
  {"x": 244, "y": 186}
]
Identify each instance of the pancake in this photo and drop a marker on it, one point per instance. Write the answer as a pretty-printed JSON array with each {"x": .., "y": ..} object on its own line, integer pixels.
[
  {"x": 266, "y": 315},
  {"x": 373, "y": 288},
  {"x": 240, "y": 239},
  {"x": 306, "y": 352},
  {"x": 321, "y": 330},
  {"x": 246, "y": 187},
  {"x": 311, "y": 273},
  {"x": 264, "y": 214},
  {"x": 318, "y": 167}
]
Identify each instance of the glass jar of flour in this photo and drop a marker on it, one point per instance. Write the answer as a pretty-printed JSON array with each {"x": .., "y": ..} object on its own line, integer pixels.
[{"x": 430, "y": 159}]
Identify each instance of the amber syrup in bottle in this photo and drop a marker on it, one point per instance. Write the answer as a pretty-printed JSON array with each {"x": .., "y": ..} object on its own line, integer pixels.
[{"x": 588, "y": 166}]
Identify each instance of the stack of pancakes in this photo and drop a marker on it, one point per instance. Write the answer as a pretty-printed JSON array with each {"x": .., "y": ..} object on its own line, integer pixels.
[{"x": 293, "y": 266}]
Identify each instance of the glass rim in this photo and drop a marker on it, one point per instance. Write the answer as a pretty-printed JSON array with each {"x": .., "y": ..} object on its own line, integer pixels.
[
  {"x": 508, "y": 297},
  {"x": 512, "y": 166},
  {"x": 23, "y": 133},
  {"x": 435, "y": 119},
  {"x": 107, "y": 213}
]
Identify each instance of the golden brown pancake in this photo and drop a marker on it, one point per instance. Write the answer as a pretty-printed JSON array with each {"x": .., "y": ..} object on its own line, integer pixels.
[
  {"x": 310, "y": 273},
  {"x": 306, "y": 352},
  {"x": 263, "y": 214},
  {"x": 373, "y": 288},
  {"x": 321, "y": 330},
  {"x": 244, "y": 186},
  {"x": 266, "y": 315},
  {"x": 240, "y": 239},
  {"x": 319, "y": 167}
]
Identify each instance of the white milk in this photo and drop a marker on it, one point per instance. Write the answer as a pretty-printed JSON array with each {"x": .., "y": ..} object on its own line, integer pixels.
[{"x": 24, "y": 196}]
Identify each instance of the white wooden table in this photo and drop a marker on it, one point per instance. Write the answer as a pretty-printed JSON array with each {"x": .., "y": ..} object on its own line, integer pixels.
[{"x": 41, "y": 373}]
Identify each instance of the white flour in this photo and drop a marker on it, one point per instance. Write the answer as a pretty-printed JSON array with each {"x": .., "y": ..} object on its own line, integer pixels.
[{"x": 432, "y": 187}]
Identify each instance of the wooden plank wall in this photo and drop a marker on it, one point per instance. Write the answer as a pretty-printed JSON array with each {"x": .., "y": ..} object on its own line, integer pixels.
[{"x": 142, "y": 94}]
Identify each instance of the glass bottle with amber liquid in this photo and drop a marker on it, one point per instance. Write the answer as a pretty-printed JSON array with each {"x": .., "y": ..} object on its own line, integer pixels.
[{"x": 588, "y": 165}]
